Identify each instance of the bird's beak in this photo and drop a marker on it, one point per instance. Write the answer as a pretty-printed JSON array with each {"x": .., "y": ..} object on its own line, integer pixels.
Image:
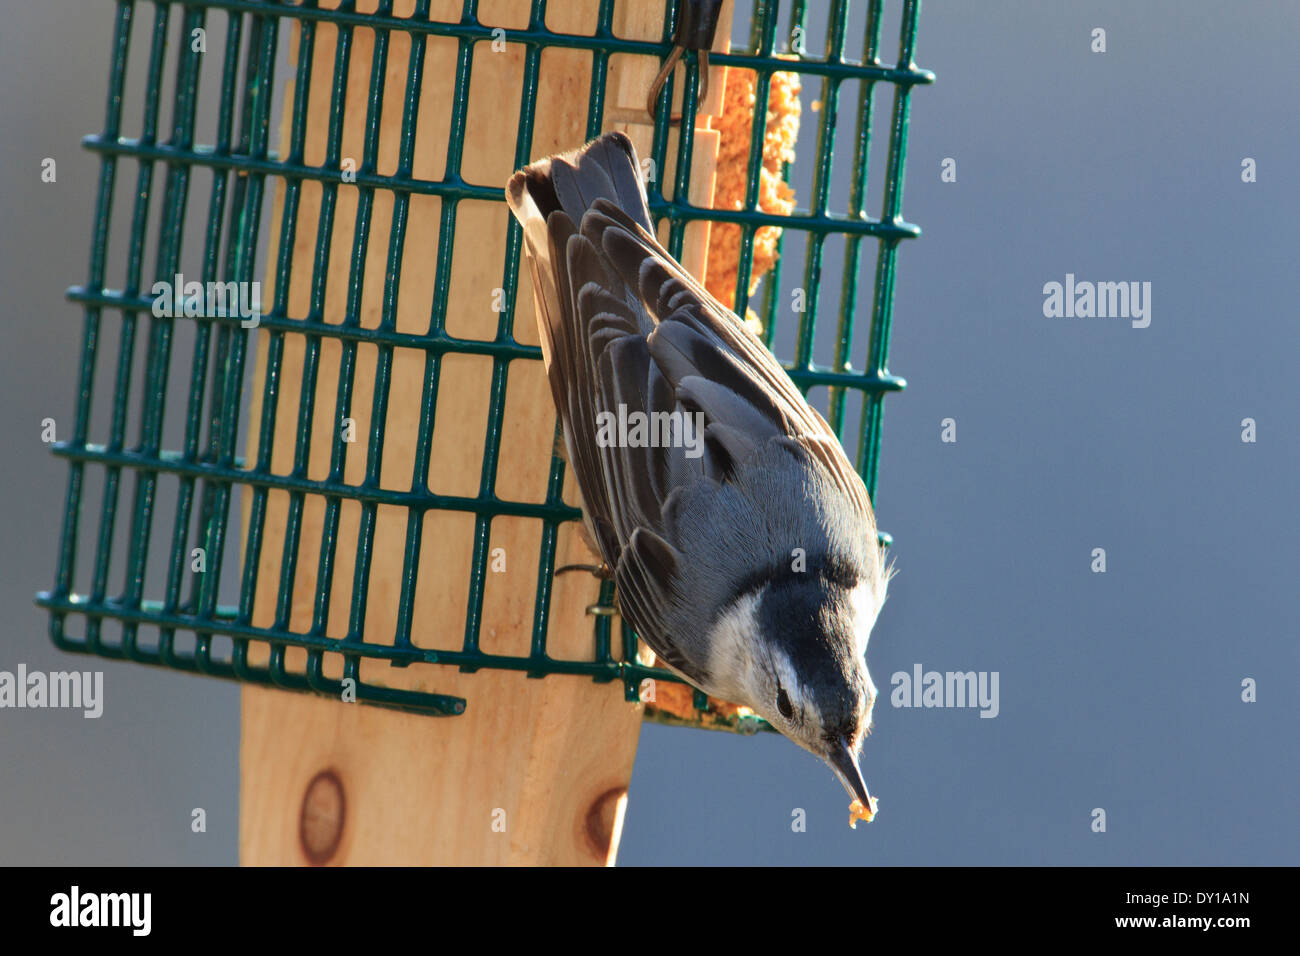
[{"x": 845, "y": 764}]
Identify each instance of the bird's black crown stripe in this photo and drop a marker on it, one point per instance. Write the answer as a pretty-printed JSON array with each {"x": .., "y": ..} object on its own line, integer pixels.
[{"x": 829, "y": 568}]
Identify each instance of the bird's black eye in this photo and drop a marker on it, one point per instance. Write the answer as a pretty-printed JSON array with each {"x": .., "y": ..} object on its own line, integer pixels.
[{"x": 783, "y": 704}]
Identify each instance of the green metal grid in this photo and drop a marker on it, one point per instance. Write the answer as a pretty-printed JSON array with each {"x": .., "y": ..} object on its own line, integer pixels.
[{"x": 208, "y": 467}]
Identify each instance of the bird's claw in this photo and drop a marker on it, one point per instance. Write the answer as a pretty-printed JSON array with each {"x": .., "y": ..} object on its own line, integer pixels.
[{"x": 601, "y": 570}]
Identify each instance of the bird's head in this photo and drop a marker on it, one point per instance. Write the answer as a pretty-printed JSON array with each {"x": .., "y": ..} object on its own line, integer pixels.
[{"x": 794, "y": 651}]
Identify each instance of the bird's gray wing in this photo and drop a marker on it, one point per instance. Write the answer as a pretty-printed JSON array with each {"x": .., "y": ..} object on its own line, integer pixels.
[
  {"x": 644, "y": 577},
  {"x": 713, "y": 364}
]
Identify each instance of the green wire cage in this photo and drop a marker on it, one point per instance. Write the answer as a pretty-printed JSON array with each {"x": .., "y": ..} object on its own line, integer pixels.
[{"x": 187, "y": 378}]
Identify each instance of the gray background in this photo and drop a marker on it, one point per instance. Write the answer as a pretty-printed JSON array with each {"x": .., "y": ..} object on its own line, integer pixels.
[{"x": 1119, "y": 691}]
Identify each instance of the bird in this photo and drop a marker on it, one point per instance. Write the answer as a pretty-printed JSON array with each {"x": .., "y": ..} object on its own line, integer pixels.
[{"x": 741, "y": 541}]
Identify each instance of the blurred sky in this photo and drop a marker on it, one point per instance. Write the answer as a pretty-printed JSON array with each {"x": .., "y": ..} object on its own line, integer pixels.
[{"x": 1119, "y": 690}]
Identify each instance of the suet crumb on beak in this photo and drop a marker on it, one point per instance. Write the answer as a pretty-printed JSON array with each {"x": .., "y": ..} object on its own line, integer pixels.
[{"x": 859, "y": 812}]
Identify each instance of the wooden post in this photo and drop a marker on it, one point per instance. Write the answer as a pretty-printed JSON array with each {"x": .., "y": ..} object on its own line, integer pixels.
[{"x": 535, "y": 771}]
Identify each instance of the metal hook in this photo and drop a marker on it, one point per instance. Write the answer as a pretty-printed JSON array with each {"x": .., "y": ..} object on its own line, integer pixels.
[
  {"x": 657, "y": 86},
  {"x": 696, "y": 26},
  {"x": 660, "y": 80}
]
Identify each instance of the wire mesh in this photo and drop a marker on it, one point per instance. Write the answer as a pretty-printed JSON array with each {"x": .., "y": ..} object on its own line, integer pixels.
[{"x": 177, "y": 618}]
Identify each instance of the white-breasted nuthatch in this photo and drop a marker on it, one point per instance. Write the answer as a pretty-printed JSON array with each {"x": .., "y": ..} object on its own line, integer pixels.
[{"x": 748, "y": 560}]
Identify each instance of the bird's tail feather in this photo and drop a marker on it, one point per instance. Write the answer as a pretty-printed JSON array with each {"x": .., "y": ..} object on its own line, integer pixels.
[
  {"x": 569, "y": 183},
  {"x": 550, "y": 199},
  {"x": 605, "y": 168}
]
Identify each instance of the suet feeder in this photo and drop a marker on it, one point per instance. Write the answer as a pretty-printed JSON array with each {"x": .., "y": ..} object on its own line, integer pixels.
[{"x": 314, "y": 445}]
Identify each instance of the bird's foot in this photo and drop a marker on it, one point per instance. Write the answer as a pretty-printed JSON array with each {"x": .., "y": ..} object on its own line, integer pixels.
[{"x": 601, "y": 570}]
